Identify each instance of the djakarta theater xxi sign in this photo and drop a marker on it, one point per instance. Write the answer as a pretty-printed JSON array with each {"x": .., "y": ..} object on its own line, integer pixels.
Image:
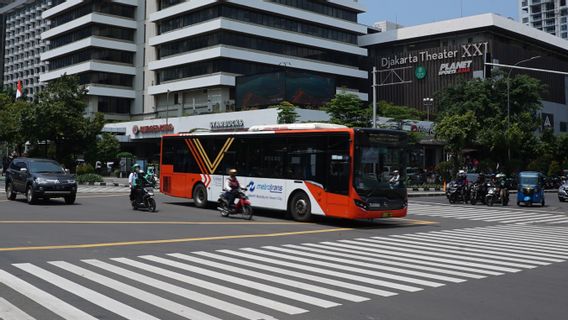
[{"x": 450, "y": 60}]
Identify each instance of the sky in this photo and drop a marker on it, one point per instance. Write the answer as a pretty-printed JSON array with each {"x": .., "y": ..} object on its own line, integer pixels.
[{"x": 414, "y": 12}]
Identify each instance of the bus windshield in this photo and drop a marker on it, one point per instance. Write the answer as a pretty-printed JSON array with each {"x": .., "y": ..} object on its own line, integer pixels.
[{"x": 377, "y": 156}]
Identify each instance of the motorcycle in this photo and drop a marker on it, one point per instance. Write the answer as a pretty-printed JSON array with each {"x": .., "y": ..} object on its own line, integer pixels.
[
  {"x": 242, "y": 207},
  {"x": 144, "y": 200},
  {"x": 457, "y": 192},
  {"x": 478, "y": 192},
  {"x": 497, "y": 194}
]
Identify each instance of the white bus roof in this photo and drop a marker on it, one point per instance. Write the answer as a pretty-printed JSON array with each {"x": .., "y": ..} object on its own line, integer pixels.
[{"x": 296, "y": 126}]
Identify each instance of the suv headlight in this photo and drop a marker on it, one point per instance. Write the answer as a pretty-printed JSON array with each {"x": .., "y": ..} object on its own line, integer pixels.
[{"x": 46, "y": 181}]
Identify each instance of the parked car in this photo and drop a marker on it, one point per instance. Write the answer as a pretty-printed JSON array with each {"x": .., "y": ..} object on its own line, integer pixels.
[
  {"x": 563, "y": 192},
  {"x": 414, "y": 175},
  {"x": 39, "y": 179}
]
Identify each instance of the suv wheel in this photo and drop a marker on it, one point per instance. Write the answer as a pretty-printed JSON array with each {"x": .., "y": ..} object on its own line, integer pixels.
[
  {"x": 70, "y": 199},
  {"x": 10, "y": 194},
  {"x": 30, "y": 195}
]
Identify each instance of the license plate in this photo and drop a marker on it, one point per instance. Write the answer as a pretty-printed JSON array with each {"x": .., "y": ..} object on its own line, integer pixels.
[{"x": 387, "y": 214}]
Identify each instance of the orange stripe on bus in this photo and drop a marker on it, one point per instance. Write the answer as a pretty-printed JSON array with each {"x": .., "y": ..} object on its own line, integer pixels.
[{"x": 196, "y": 156}]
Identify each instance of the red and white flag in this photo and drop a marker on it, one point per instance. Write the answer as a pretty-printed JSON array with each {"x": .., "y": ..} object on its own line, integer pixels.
[{"x": 19, "y": 89}]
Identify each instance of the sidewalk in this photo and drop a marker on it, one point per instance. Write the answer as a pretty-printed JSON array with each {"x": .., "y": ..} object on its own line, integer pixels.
[{"x": 110, "y": 182}]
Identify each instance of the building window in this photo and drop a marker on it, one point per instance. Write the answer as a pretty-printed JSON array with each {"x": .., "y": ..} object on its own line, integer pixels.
[
  {"x": 563, "y": 126},
  {"x": 114, "y": 105}
]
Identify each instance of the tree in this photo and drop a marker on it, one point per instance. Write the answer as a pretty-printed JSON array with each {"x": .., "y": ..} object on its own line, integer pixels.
[
  {"x": 286, "y": 112},
  {"x": 11, "y": 119},
  {"x": 107, "y": 147},
  {"x": 347, "y": 109},
  {"x": 58, "y": 117},
  {"x": 398, "y": 113},
  {"x": 459, "y": 131},
  {"x": 487, "y": 100}
]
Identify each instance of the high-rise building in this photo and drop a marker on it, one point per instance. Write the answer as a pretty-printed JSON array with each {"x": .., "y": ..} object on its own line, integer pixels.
[
  {"x": 196, "y": 49},
  {"x": 547, "y": 15},
  {"x": 165, "y": 58},
  {"x": 102, "y": 42},
  {"x": 21, "y": 26}
]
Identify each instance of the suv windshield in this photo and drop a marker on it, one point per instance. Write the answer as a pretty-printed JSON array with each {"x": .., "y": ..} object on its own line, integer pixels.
[{"x": 45, "y": 167}]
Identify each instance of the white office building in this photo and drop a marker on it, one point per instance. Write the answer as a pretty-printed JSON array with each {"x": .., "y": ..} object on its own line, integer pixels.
[
  {"x": 21, "y": 26},
  {"x": 102, "y": 42},
  {"x": 169, "y": 58},
  {"x": 550, "y": 16},
  {"x": 196, "y": 49}
]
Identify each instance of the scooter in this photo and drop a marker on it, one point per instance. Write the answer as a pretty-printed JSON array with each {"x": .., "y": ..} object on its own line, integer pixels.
[
  {"x": 242, "y": 207},
  {"x": 478, "y": 192},
  {"x": 457, "y": 192},
  {"x": 497, "y": 194},
  {"x": 145, "y": 200}
]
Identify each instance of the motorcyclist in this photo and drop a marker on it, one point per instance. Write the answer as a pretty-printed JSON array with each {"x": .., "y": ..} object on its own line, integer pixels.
[
  {"x": 132, "y": 180},
  {"x": 501, "y": 180},
  {"x": 395, "y": 179},
  {"x": 140, "y": 183},
  {"x": 461, "y": 178},
  {"x": 232, "y": 187},
  {"x": 461, "y": 182},
  {"x": 150, "y": 176}
]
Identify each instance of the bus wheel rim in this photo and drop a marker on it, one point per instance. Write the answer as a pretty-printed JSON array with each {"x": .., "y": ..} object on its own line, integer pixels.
[
  {"x": 301, "y": 206},
  {"x": 201, "y": 195}
]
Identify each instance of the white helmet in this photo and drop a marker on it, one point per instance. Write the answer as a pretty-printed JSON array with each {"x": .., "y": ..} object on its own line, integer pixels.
[{"x": 500, "y": 175}]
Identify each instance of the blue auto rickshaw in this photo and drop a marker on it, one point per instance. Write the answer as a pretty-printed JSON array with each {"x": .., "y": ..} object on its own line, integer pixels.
[{"x": 531, "y": 188}]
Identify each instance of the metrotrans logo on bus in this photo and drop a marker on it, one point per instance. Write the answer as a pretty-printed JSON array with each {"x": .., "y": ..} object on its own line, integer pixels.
[{"x": 272, "y": 188}]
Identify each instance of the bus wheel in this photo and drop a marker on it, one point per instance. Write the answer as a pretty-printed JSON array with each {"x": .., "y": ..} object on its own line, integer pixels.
[
  {"x": 300, "y": 207},
  {"x": 200, "y": 196}
]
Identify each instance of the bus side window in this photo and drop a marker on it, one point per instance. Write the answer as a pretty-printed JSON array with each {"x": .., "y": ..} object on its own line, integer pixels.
[
  {"x": 307, "y": 159},
  {"x": 274, "y": 154}
]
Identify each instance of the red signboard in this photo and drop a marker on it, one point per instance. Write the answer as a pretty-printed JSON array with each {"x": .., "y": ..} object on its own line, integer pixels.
[{"x": 153, "y": 128}]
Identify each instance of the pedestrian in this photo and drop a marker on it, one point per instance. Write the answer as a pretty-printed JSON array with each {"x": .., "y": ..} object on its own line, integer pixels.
[{"x": 5, "y": 164}]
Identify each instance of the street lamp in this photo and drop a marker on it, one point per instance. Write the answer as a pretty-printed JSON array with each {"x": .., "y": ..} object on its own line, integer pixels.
[
  {"x": 509, "y": 101},
  {"x": 428, "y": 102}
]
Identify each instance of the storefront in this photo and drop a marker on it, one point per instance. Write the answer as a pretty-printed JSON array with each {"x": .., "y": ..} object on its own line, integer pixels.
[{"x": 142, "y": 138}]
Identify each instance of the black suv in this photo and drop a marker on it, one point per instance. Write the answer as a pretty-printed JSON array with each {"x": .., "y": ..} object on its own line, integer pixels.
[{"x": 39, "y": 178}]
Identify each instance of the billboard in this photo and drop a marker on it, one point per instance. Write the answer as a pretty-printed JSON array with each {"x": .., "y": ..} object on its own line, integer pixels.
[{"x": 298, "y": 88}]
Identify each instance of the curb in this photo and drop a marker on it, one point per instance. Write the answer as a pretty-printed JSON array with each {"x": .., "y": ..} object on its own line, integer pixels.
[{"x": 415, "y": 194}]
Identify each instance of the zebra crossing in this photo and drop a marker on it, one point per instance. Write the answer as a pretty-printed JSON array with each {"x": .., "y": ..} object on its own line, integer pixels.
[
  {"x": 274, "y": 282},
  {"x": 487, "y": 214}
]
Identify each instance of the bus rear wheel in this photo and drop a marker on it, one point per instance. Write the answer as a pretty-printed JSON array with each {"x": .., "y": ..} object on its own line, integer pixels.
[
  {"x": 200, "y": 196},
  {"x": 300, "y": 207}
]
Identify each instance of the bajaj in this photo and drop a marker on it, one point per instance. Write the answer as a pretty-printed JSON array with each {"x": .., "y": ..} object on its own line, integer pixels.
[{"x": 531, "y": 188}]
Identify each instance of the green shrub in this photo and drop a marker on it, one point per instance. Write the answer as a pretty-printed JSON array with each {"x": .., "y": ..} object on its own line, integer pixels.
[
  {"x": 89, "y": 177},
  {"x": 85, "y": 169},
  {"x": 445, "y": 170}
]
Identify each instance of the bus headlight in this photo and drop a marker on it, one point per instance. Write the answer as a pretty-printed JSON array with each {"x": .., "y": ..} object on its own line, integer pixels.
[{"x": 361, "y": 204}]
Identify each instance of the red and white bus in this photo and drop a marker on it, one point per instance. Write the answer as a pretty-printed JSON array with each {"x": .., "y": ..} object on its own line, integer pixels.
[{"x": 304, "y": 169}]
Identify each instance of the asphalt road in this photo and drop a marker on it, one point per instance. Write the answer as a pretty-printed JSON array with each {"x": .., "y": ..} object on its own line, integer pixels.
[{"x": 99, "y": 259}]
